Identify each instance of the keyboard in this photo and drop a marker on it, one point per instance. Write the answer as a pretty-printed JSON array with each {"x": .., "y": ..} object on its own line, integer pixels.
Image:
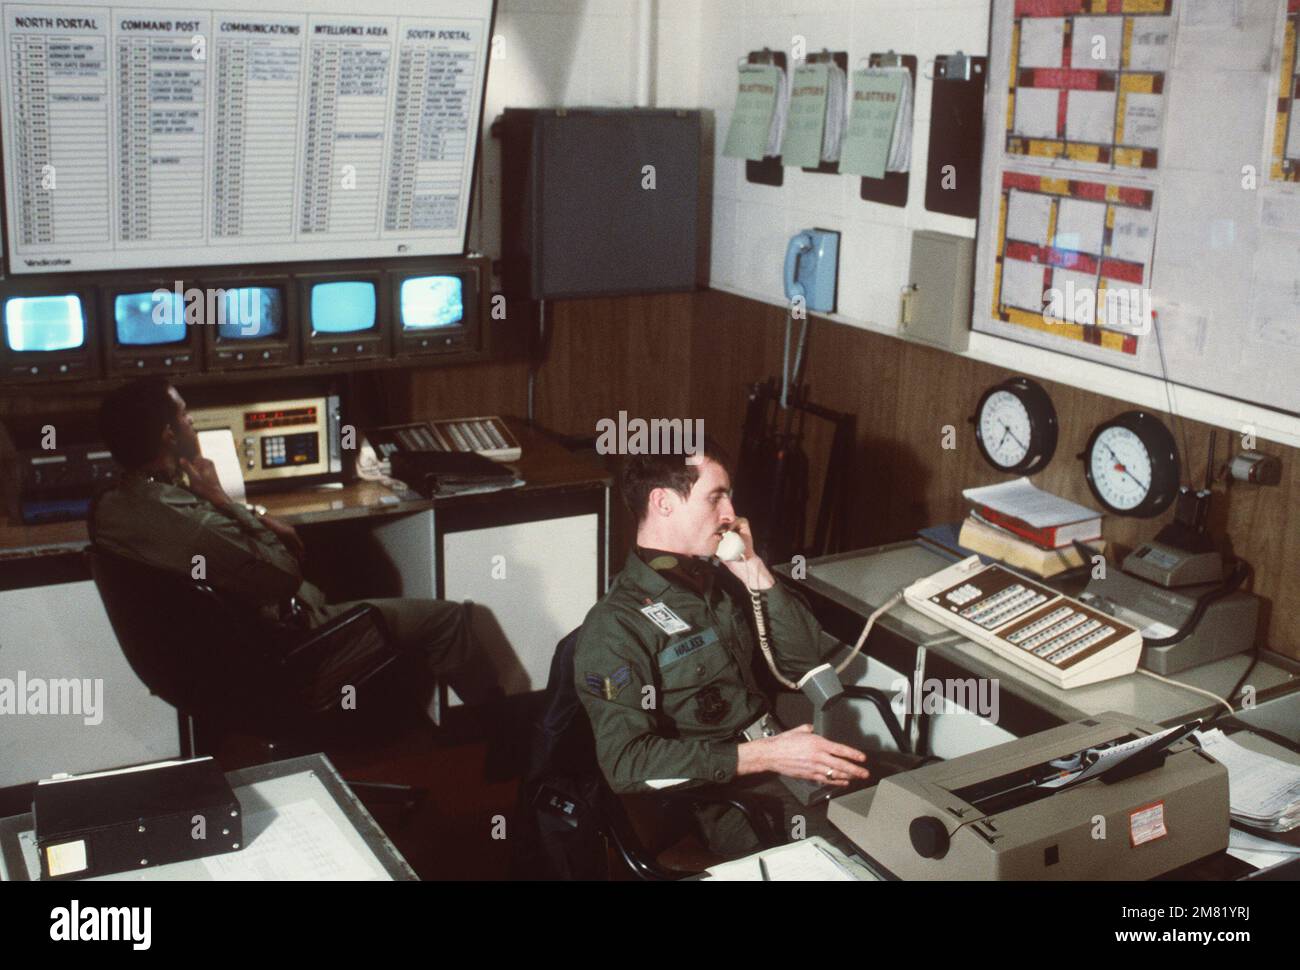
[{"x": 1038, "y": 629}]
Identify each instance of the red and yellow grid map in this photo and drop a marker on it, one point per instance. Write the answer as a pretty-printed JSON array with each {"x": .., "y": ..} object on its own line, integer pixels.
[
  {"x": 1087, "y": 80},
  {"x": 1286, "y": 135},
  {"x": 1077, "y": 238}
]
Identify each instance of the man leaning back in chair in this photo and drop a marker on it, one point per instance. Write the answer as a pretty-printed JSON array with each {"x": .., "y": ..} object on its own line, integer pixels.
[{"x": 170, "y": 507}]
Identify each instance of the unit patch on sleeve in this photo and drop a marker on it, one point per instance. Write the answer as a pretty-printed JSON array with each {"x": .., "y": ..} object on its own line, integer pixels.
[
  {"x": 608, "y": 687},
  {"x": 665, "y": 619}
]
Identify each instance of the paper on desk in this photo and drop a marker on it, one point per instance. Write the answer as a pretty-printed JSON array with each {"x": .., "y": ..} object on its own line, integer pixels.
[
  {"x": 218, "y": 446},
  {"x": 1020, "y": 499},
  {"x": 295, "y": 842},
  {"x": 1261, "y": 790},
  {"x": 807, "y": 860}
]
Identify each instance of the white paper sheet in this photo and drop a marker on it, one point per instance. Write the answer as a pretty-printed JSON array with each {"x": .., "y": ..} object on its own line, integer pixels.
[
  {"x": 807, "y": 860},
  {"x": 296, "y": 842},
  {"x": 218, "y": 445},
  {"x": 1021, "y": 499}
]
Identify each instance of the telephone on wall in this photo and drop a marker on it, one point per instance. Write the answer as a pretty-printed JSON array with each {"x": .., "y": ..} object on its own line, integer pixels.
[{"x": 812, "y": 268}]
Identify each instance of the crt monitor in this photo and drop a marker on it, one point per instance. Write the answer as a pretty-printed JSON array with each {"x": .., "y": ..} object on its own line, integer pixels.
[
  {"x": 152, "y": 327},
  {"x": 248, "y": 323},
  {"x": 344, "y": 317},
  {"x": 47, "y": 333},
  {"x": 437, "y": 307}
]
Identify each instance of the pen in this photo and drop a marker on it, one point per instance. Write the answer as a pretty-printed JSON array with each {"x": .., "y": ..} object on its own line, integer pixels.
[
  {"x": 914, "y": 715},
  {"x": 762, "y": 868},
  {"x": 834, "y": 861}
]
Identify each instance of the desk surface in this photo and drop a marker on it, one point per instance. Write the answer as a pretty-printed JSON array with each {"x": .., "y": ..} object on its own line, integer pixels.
[
  {"x": 301, "y": 821},
  {"x": 545, "y": 465},
  {"x": 862, "y": 580}
]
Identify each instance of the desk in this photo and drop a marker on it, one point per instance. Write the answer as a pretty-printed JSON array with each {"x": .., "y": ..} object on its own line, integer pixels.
[
  {"x": 279, "y": 800},
  {"x": 533, "y": 560},
  {"x": 844, "y": 589}
]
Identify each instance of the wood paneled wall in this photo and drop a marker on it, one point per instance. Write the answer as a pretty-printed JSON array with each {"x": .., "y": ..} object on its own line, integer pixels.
[{"x": 692, "y": 355}]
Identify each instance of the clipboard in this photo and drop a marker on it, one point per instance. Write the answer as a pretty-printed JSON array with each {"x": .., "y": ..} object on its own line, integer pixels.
[
  {"x": 841, "y": 58},
  {"x": 956, "y": 134},
  {"x": 768, "y": 171},
  {"x": 893, "y": 188}
]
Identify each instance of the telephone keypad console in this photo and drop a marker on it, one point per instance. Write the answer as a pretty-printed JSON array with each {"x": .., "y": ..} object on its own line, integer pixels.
[
  {"x": 488, "y": 436},
  {"x": 1051, "y": 635}
]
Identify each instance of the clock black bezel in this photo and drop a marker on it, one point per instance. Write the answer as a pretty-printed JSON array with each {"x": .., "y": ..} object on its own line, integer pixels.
[
  {"x": 1043, "y": 426},
  {"x": 1161, "y": 448}
]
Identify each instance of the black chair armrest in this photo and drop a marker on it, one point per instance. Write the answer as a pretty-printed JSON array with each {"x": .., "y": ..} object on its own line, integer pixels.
[
  {"x": 631, "y": 851},
  {"x": 349, "y": 650},
  {"x": 760, "y": 820}
]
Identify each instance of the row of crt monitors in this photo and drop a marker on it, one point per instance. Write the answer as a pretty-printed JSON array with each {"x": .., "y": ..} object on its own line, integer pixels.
[{"x": 138, "y": 325}]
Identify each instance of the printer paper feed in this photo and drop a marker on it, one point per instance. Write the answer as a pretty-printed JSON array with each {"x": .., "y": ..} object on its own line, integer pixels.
[
  {"x": 1265, "y": 792},
  {"x": 175, "y": 134}
]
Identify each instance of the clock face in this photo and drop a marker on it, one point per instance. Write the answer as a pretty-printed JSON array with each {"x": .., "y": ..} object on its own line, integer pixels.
[
  {"x": 1005, "y": 429},
  {"x": 1121, "y": 468},
  {"x": 1015, "y": 426}
]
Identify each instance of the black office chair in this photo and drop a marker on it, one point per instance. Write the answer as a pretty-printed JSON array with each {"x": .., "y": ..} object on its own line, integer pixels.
[
  {"x": 574, "y": 821},
  {"x": 227, "y": 672}
]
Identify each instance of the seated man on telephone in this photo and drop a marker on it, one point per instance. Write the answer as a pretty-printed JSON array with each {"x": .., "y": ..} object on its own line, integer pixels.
[
  {"x": 170, "y": 506},
  {"x": 666, "y": 663}
]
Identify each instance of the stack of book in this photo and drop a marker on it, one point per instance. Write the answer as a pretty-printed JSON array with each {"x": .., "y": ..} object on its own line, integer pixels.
[{"x": 1029, "y": 529}]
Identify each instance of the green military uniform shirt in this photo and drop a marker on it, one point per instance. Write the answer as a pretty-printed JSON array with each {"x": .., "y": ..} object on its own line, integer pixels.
[
  {"x": 665, "y": 669},
  {"x": 166, "y": 526}
]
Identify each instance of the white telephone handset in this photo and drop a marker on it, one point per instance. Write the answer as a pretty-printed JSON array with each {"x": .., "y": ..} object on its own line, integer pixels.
[{"x": 731, "y": 548}]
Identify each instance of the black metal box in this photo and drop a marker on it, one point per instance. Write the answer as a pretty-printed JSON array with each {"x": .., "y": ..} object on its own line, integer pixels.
[{"x": 132, "y": 818}]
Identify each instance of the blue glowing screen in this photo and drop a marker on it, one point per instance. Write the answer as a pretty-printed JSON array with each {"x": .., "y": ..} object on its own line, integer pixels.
[
  {"x": 44, "y": 323},
  {"x": 431, "y": 301},
  {"x": 149, "y": 318},
  {"x": 347, "y": 306},
  {"x": 252, "y": 313}
]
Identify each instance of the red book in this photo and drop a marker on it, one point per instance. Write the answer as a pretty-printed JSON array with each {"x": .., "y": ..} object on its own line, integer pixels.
[{"x": 1049, "y": 537}]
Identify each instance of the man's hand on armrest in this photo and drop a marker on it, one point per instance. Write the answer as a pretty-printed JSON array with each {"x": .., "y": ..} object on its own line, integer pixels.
[{"x": 799, "y": 753}]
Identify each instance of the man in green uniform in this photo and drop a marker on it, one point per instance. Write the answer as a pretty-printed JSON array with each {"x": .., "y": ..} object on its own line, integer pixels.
[
  {"x": 666, "y": 662},
  {"x": 170, "y": 508}
]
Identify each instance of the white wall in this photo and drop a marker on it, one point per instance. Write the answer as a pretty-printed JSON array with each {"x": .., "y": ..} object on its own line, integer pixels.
[
  {"x": 583, "y": 52},
  {"x": 751, "y": 223},
  {"x": 578, "y": 53}
]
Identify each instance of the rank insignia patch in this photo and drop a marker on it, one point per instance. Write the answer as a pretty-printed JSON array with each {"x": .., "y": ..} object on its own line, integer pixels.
[
  {"x": 665, "y": 619},
  {"x": 608, "y": 687}
]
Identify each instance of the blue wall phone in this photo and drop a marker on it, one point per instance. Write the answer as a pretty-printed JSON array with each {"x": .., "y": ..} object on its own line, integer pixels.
[{"x": 812, "y": 262}]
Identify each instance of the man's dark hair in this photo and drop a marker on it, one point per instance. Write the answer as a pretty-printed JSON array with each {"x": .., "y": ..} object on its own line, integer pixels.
[
  {"x": 132, "y": 420},
  {"x": 642, "y": 474}
]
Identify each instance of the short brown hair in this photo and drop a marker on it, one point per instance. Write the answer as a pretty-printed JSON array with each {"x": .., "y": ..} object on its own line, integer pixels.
[{"x": 642, "y": 474}]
